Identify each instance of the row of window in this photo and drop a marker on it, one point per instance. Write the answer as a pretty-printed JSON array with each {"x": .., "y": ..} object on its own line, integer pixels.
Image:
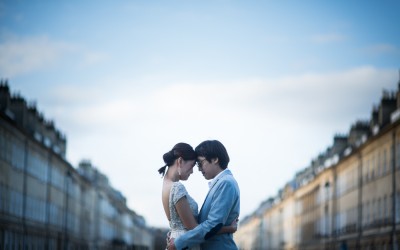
[
  {"x": 38, "y": 165},
  {"x": 346, "y": 180},
  {"x": 11, "y": 202},
  {"x": 107, "y": 230},
  {"x": 374, "y": 166},
  {"x": 379, "y": 164},
  {"x": 379, "y": 210},
  {"x": 107, "y": 209},
  {"x": 373, "y": 211},
  {"x": 11, "y": 240},
  {"x": 13, "y": 152},
  {"x": 36, "y": 210}
]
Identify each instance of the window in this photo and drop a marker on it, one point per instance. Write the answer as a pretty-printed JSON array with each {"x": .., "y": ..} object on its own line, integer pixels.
[
  {"x": 337, "y": 221},
  {"x": 37, "y": 167},
  {"x": 107, "y": 209},
  {"x": 107, "y": 230},
  {"x": 379, "y": 171},
  {"x": 55, "y": 215},
  {"x": 397, "y": 208},
  {"x": 398, "y": 153},
  {"x": 71, "y": 220},
  {"x": 5, "y": 148},
  {"x": 353, "y": 178},
  {"x": 366, "y": 169},
  {"x": 17, "y": 155},
  {"x": 16, "y": 199},
  {"x": 2, "y": 145},
  {"x": 374, "y": 166},
  {"x": 385, "y": 208},
  {"x": 57, "y": 179},
  {"x": 372, "y": 211},
  {"x": 367, "y": 213},
  {"x": 385, "y": 165},
  {"x": 351, "y": 218},
  {"x": 298, "y": 208},
  {"x": 379, "y": 213},
  {"x": 2, "y": 199},
  {"x": 342, "y": 183},
  {"x": 73, "y": 189},
  {"x": 35, "y": 209}
]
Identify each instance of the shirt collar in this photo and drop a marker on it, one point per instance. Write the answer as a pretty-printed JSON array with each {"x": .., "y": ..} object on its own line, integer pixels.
[{"x": 211, "y": 183}]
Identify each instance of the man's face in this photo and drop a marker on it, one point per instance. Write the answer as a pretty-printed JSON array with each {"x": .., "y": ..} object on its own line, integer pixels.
[{"x": 205, "y": 167}]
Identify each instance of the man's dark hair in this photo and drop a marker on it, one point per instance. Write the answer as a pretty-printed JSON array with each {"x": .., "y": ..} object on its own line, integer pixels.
[{"x": 213, "y": 149}]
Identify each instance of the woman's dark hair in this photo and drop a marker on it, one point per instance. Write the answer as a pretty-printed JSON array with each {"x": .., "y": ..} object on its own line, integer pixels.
[
  {"x": 181, "y": 149},
  {"x": 213, "y": 149}
]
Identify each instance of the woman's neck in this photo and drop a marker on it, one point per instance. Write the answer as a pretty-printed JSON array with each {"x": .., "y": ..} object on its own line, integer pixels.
[{"x": 171, "y": 175}]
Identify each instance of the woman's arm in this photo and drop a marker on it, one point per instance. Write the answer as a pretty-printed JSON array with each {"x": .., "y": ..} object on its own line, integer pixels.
[
  {"x": 188, "y": 220},
  {"x": 185, "y": 213},
  {"x": 229, "y": 229}
]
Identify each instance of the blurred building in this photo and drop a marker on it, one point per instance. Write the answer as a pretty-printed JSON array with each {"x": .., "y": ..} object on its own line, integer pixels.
[
  {"x": 46, "y": 203},
  {"x": 347, "y": 198}
]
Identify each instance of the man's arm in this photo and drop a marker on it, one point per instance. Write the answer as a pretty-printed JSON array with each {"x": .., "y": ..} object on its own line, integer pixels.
[{"x": 189, "y": 221}]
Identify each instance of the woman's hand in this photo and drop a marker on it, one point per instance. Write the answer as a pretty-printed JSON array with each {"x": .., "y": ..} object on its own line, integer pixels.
[
  {"x": 234, "y": 225},
  {"x": 171, "y": 244}
]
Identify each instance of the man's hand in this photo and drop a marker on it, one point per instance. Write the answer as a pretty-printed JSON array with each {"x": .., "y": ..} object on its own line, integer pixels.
[{"x": 171, "y": 244}]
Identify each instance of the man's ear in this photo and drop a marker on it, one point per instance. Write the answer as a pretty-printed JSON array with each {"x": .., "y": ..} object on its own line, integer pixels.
[{"x": 215, "y": 160}]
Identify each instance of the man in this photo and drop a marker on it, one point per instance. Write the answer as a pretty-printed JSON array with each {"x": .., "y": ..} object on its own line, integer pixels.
[{"x": 221, "y": 206}]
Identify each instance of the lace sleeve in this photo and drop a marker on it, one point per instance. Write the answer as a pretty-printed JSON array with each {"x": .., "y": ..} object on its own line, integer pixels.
[{"x": 178, "y": 191}]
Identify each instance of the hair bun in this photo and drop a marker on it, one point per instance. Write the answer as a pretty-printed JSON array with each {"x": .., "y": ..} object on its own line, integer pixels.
[{"x": 169, "y": 158}]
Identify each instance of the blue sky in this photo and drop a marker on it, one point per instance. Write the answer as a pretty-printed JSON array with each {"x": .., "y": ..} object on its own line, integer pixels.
[{"x": 273, "y": 80}]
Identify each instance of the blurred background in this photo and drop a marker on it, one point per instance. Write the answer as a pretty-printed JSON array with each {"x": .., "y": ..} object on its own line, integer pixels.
[{"x": 101, "y": 90}]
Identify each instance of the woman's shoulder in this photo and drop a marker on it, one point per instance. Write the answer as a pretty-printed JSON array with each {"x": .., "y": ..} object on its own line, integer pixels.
[
  {"x": 178, "y": 191},
  {"x": 178, "y": 186}
]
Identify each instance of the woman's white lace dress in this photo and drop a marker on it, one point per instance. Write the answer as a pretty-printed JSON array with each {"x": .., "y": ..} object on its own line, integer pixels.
[{"x": 178, "y": 191}]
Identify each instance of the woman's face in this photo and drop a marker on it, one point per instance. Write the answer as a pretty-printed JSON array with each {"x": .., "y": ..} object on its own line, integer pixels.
[{"x": 187, "y": 169}]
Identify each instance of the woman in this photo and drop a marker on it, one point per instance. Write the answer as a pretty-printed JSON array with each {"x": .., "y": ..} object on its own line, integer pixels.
[{"x": 180, "y": 209}]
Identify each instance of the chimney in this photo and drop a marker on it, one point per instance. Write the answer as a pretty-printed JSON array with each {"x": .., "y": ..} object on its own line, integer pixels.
[
  {"x": 339, "y": 145},
  {"x": 357, "y": 131},
  {"x": 398, "y": 92},
  {"x": 4, "y": 95},
  {"x": 387, "y": 106}
]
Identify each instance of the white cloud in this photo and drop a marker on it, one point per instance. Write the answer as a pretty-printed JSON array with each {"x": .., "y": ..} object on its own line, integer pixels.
[
  {"x": 328, "y": 38},
  {"x": 382, "y": 49},
  {"x": 23, "y": 55},
  {"x": 93, "y": 58}
]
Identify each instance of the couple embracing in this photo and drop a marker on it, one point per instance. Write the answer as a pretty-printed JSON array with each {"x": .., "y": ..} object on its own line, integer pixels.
[{"x": 214, "y": 225}]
